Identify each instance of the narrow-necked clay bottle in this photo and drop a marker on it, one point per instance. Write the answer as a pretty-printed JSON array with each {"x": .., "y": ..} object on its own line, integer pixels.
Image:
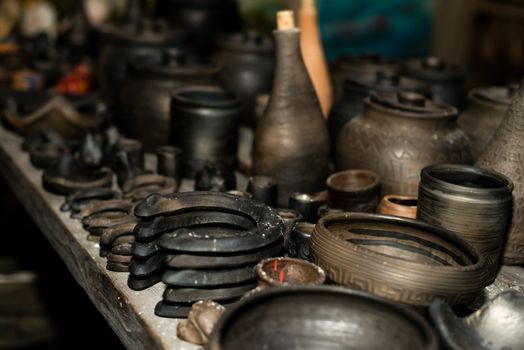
[
  {"x": 313, "y": 54},
  {"x": 291, "y": 141},
  {"x": 505, "y": 154}
]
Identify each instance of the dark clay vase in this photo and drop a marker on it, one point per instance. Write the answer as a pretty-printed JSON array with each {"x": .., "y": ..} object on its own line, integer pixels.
[
  {"x": 357, "y": 88},
  {"x": 249, "y": 63},
  {"x": 474, "y": 203},
  {"x": 359, "y": 66},
  {"x": 446, "y": 80},
  {"x": 120, "y": 44},
  {"x": 505, "y": 154},
  {"x": 398, "y": 135},
  {"x": 486, "y": 109},
  {"x": 204, "y": 20},
  {"x": 144, "y": 100},
  {"x": 291, "y": 140},
  {"x": 204, "y": 126}
]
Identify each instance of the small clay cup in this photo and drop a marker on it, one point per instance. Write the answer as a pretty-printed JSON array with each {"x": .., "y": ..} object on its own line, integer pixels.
[
  {"x": 285, "y": 272},
  {"x": 354, "y": 190},
  {"x": 169, "y": 162},
  {"x": 297, "y": 245},
  {"x": 306, "y": 205},
  {"x": 264, "y": 189},
  {"x": 289, "y": 217},
  {"x": 392, "y": 204}
]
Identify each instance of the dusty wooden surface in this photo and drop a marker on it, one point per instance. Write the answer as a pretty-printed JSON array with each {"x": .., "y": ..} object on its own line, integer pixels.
[{"x": 129, "y": 313}]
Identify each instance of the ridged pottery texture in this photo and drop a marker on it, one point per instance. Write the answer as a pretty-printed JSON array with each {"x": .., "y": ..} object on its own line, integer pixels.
[
  {"x": 291, "y": 141},
  {"x": 474, "y": 203},
  {"x": 505, "y": 154}
]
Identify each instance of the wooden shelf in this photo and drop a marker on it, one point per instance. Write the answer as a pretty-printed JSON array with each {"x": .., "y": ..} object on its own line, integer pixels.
[{"x": 129, "y": 313}]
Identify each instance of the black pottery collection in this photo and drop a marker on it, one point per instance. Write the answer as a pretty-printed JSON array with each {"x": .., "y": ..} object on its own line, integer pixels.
[
  {"x": 398, "y": 135},
  {"x": 196, "y": 157}
]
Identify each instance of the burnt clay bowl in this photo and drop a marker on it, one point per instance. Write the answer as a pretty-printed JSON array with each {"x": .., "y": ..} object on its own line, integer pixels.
[
  {"x": 401, "y": 259},
  {"x": 320, "y": 317},
  {"x": 497, "y": 325}
]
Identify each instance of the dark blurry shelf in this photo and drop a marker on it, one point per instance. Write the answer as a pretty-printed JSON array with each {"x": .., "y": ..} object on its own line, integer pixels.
[{"x": 128, "y": 312}]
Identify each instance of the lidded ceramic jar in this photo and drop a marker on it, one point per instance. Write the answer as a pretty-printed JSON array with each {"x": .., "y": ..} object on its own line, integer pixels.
[
  {"x": 120, "y": 44},
  {"x": 142, "y": 111},
  {"x": 248, "y": 61},
  {"x": 357, "y": 88},
  {"x": 352, "y": 66},
  {"x": 486, "y": 109},
  {"x": 397, "y": 135},
  {"x": 204, "y": 126},
  {"x": 446, "y": 80}
]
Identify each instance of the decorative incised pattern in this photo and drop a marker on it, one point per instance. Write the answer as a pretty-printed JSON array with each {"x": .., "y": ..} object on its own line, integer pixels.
[{"x": 399, "y": 152}]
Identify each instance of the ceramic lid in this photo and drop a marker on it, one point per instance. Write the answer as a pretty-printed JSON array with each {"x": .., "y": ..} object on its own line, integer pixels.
[
  {"x": 250, "y": 41},
  {"x": 433, "y": 69},
  {"x": 409, "y": 104},
  {"x": 498, "y": 95},
  {"x": 385, "y": 81}
]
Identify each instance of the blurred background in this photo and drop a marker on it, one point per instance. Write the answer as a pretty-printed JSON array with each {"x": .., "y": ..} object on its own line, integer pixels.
[{"x": 42, "y": 307}]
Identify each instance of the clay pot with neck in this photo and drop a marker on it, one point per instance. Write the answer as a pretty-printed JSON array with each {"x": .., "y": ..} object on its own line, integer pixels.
[
  {"x": 397, "y": 135},
  {"x": 486, "y": 109},
  {"x": 121, "y": 44},
  {"x": 313, "y": 53},
  {"x": 248, "y": 61},
  {"x": 358, "y": 66},
  {"x": 357, "y": 88},
  {"x": 505, "y": 154},
  {"x": 291, "y": 140},
  {"x": 144, "y": 101},
  {"x": 446, "y": 80}
]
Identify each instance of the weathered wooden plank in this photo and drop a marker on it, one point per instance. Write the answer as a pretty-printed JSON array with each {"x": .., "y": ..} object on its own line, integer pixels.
[{"x": 129, "y": 313}]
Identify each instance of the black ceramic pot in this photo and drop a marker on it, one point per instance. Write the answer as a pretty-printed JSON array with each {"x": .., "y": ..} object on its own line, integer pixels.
[
  {"x": 357, "y": 88},
  {"x": 446, "y": 80},
  {"x": 297, "y": 244},
  {"x": 249, "y": 63},
  {"x": 204, "y": 126},
  {"x": 474, "y": 203},
  {"x": 264, "y": 189},
  {"x": 204, "y": 20},
  {"x": 361, "y": 66},
  {"x": 169, "y": 162},
  {"x": 120, "y": 44},
  {"x": 143, "y": 104}
]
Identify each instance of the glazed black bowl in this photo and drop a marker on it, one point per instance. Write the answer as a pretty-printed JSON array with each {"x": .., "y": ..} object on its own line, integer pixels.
[{"x": 319, "y": 317}]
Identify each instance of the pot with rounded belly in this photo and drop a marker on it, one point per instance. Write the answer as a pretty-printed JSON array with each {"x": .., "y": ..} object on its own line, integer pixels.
[
  {"x": 486, "y": 109},
  {"x": 357, "y": 88},
  {"x": 397, "y": 135},
  {"x": 143, "y": 107}
]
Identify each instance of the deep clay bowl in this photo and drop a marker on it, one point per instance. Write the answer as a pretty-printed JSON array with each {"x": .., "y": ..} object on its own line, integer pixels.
[
  {"x": 319, "y": 317},
  {"x": 354, "y": 190},
  {"x": 397, "y": 258},
  {"x": 498, "y": 324}
]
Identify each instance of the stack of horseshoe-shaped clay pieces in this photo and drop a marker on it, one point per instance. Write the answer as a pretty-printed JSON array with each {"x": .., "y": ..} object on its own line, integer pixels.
[{"x": 202, "y": 245}]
